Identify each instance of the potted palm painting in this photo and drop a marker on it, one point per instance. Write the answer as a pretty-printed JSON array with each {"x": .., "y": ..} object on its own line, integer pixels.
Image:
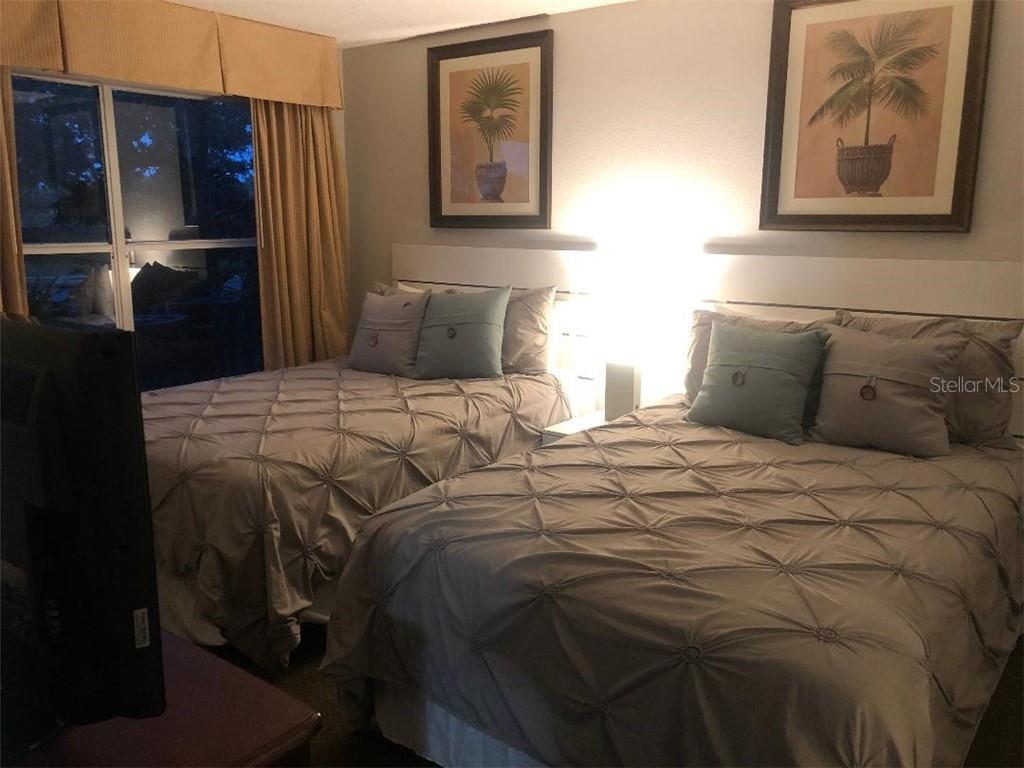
[
  {"x": 874, "y": 114},
  {"x": 489, "y": 105}
]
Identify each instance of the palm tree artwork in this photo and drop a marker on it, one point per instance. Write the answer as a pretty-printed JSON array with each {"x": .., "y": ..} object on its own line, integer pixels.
[
  {"x": 492, "y": 104},
  {"x": 875, "y": 72}
]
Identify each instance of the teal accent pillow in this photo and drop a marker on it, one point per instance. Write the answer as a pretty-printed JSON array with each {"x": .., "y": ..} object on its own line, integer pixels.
[
  {"x": 757, "y": 381},
  {"x": 461, "y": 335}
]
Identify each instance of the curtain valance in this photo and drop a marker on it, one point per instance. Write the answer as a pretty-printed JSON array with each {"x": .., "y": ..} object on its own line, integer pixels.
[
  {"x": 262, "y": 61},
  {"x": 30, "y": 34},
  {"x": 163, "y": 44},
  {"x": 156, "y": 43}
]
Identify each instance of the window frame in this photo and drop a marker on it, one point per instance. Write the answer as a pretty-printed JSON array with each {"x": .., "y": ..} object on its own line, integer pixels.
[{"x": 121, "y": 250}]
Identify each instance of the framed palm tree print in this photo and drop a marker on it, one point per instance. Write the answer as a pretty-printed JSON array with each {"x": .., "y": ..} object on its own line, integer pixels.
[
  {"x": 874, "y": 114},
  {"x": 489, "y": 113}
]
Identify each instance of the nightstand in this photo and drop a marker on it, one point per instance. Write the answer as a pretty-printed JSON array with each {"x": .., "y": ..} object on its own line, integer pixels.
[
  {"x": 572, "y": 426},
  {"x": 216, "y": 714}
]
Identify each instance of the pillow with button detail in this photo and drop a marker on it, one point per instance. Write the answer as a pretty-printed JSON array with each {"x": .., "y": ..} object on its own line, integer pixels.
[
  {"x": 878, "y": 392},
  {"x": 700, "y": 342},
  {"x": 757, "y": 381},
  {"x": 461, "y": 335},
  {"x": 980, "y": 405},
  {"x": 388, "y": 335},
  {"x": 527, "y": 336}
]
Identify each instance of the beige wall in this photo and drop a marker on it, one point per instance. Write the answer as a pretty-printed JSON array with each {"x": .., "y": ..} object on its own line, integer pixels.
[{"x": 657, "y": 145}]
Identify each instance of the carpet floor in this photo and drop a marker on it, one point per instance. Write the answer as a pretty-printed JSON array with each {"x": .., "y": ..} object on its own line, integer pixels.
[
  {"x": 336, "y": 744},
  {"x": 998, "y": 743}
]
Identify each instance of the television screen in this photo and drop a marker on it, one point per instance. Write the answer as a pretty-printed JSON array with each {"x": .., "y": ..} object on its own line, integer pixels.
[{"x": 81, "y": 630}]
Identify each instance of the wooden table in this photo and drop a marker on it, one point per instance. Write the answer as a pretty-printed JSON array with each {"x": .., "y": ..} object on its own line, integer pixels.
[{"x": 216, "y": 715}]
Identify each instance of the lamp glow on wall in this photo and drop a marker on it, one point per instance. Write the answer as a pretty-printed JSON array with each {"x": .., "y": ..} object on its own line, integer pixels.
[{"x": 650, "y": 226}]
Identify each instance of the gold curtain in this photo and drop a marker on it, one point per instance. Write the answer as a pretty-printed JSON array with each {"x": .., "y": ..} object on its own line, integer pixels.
[
  {"x": 13, "y": 293},
  {"x": 300, "y": 188}
]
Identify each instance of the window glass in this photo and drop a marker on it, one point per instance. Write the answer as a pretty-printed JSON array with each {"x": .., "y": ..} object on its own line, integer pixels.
[
  {"x": 197, "y": 314},
  {"x": 61, "y": 175},
  {"x": 185, "y": 166},
  {"x": 185, "y": 172},
  {"x": 71, "y": 290}
]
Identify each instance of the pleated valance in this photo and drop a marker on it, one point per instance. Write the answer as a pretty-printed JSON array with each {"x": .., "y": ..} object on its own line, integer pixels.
[
  {"x": 167, "y": 45},
  {"x": 277, "y": 64},
  {"x": 30, "y": 34},
  {"x": 156, "y": 43}
]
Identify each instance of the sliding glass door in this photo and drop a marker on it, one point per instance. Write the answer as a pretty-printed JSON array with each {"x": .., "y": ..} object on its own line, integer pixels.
[{"x": 137, "y": 212}]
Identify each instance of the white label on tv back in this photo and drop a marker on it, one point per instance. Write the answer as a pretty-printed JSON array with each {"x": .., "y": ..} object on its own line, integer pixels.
[{"x": 141, "y": 617}]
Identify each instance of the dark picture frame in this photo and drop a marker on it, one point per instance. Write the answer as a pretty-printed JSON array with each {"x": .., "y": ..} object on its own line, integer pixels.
[
  {"x": 539, "y": 190},
  {"x": 956, "y": 219}
]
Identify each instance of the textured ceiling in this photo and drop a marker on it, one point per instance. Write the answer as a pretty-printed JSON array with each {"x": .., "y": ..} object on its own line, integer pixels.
[{"x": 359, "y": 22}]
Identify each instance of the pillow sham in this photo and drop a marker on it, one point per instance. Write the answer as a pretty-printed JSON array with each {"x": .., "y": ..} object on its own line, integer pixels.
[
  {"x": 388, "y": 335},
  {"x": 757, "y": 381},
  {"x": 700, "y": 342},
  {"x": 390, "y": 289},
  {"x": 84, "y": 295},
  {"x": 979, "y": 400},
  {"x": 526, "y": 338},
  {"x": 104, "y": 304},
  {"x": 879, "y": 392},
  {"x": 461, "y": 336}
]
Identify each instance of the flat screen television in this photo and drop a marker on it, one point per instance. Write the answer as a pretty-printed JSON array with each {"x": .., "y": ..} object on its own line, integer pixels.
[{"x": 81, "y": 630}]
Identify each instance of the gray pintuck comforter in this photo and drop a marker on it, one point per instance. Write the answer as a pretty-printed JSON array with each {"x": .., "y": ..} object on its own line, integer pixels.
[
  {"x": 259, "y": 483},
  {"x": 658, "y": 592}
]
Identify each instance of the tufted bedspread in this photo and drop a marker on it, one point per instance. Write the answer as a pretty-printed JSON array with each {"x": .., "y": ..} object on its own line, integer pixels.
[
  {"x": 656, "y": 592},
  {"x": 259, "y": 483}
]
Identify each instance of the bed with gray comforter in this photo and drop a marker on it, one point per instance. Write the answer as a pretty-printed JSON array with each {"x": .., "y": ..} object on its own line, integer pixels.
[
  {"x": 658, "y": 592},
  {"x": 259, "y": 483}
]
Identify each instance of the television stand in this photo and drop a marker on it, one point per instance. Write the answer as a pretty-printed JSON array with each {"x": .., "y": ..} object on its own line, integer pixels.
[{"x": 217, "y": 714}]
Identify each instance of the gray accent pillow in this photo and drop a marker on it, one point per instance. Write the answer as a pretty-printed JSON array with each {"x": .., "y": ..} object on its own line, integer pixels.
[
  {"x": 461, "y": 336},
  {"x": 524, "y": 346},
  {"x": 388, "y": 335},
  {"x": 757, "y": 381},
  {"x": 879, "y": 392},
  {"x": 527, "y": 335},
  {"x": 980, "y": 413},
  {"x": 700, "y": 342}
]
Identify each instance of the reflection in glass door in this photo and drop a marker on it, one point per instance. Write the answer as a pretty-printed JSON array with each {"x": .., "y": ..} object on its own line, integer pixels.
[
  {"x": 186, "y": 180},
  {"x": 197, "y": 314},
  {"x": 138, "y": 212},
  {"x": 74, "y": 290}
]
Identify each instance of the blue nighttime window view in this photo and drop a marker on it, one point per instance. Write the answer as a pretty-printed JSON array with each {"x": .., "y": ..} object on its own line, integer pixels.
[
  {"x": 186, "y": 167},
  {"x": 186, "y": 174},
  {"x": 61, "y": 172},
  {"x": 190, "y": 278}
]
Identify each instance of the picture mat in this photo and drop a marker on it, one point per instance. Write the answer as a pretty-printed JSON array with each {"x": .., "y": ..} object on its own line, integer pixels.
[
  {"x": 939, "y": 203},
  {"x": 532, "y": 56}
]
